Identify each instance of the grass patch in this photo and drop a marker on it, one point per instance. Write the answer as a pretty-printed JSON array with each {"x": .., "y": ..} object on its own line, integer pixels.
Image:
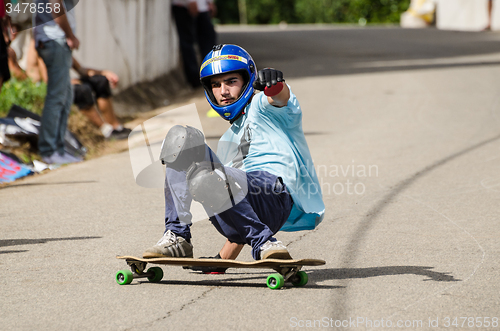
[{"x": 24, "y": 93}]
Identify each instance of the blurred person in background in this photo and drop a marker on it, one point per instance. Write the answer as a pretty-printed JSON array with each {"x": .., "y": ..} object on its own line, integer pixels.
[
  {"x": 94, "y": 87},
  {"x": 54, "y": 41},
  {"x": 490, "y": 11},
  {"x": 91, "y": 88},
  {"x": 4, "y": 42},
  {"x": 193, "y": 19},
  {"x": 420, "y": 14},
  {"x": 15, "y": 69}
]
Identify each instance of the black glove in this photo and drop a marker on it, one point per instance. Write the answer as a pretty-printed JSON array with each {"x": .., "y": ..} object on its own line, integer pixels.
[
  {"x": 208, "y": 270},
  {"x": 267, "y": 77}
]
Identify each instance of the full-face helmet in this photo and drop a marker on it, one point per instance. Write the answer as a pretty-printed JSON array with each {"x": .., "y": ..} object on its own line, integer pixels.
[{"x": 223, "y": 59}]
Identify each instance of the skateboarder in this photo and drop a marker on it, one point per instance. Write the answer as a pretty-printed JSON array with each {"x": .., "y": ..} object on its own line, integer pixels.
[{"x": 262, "y": 179}]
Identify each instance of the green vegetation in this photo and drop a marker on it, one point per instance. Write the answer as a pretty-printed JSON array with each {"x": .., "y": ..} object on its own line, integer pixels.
[
  {"x": 25, "y": 93},
  {"x": 312, "y": 11}
]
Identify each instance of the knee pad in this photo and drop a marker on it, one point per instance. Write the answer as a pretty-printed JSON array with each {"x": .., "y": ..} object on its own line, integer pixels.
[
  {"x": 182, "y": 146},
  {"x": 210, "y": 186}
]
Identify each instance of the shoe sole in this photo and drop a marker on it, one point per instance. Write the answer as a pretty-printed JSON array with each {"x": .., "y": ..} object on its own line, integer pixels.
[
  {"x": 156, "y": 255},
  {"x": 280, "y": 255}
]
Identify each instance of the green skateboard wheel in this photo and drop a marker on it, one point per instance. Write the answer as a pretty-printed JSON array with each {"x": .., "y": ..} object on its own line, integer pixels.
[
  {"x": 158, "y": 274},
  {"x": 124, "y": 277},
  {"x": 300, "y": 279},
  {"x": 275, "y": 281}
]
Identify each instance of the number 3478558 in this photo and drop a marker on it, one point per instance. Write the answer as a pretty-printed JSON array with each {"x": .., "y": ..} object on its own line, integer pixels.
[{"x": 33, "y": 8}]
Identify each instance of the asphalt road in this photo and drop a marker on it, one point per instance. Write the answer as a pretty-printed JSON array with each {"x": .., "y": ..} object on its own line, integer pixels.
[{"x": 404, "y": 129}]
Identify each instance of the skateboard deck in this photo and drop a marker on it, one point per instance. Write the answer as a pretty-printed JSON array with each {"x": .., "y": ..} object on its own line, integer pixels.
[{"x": 286, "y": 270}]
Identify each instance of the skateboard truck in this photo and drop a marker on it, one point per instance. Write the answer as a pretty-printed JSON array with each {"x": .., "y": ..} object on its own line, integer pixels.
[
  {"x": 153, "y": 274},
  {"x": 287, "y": 271}
]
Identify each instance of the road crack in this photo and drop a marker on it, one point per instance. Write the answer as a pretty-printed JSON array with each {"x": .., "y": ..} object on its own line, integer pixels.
[{"x": 172, "y": 312}]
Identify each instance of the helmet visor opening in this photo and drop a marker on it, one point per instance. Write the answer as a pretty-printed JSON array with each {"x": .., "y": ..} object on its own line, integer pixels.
[{"x": 207, "y": 84}]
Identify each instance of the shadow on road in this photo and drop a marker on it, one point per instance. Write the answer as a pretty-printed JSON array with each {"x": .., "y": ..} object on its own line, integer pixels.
[
  {"x": 234, "y": 278},
  {"x": 316, "y": 276},
  {"x": 236, "y": 282},
  {"x": 38, "y": 184},
  {"x": 352, "y": 273},
  {"x": 9, "y": 252},
  {"x": 21, "y": 242}
]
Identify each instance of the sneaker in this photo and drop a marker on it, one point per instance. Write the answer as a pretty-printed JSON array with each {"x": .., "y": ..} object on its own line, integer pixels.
[
  {"x": 73, "y": 158},
  {"x": 274, "y": 250},
  {"x": 170, "y": 245},
  {"x": 120, "y": 134},
  {"x": 57, "y": 158}
]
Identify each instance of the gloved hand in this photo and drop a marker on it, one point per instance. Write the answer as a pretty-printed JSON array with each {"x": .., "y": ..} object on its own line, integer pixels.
[
  {"x": 270, "y": 81},
  {"x": 208, "y": 270}
]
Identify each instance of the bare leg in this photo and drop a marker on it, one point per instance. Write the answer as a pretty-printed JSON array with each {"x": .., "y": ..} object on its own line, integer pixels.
[
  {"x": 106, "y": 107},
  {"x": 93, "y": 115},
  {"x": 43, "y": 70},
  {"x": 35, "y": 67},
  {"x": 32, "y": 68},
  {"x": 230, "y": 251}
]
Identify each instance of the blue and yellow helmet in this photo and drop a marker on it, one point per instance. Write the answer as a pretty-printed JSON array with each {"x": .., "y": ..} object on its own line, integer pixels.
[{"x": 223, "y": 59}]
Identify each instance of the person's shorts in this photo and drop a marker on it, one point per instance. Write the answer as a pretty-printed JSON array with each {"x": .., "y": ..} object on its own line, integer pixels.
[
  {"x": 91, "y": 89},
  {"x": 4, "y": 60}
]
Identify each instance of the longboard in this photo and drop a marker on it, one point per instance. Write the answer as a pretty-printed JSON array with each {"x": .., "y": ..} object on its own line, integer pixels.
[{"x": 287, "y": 270}]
